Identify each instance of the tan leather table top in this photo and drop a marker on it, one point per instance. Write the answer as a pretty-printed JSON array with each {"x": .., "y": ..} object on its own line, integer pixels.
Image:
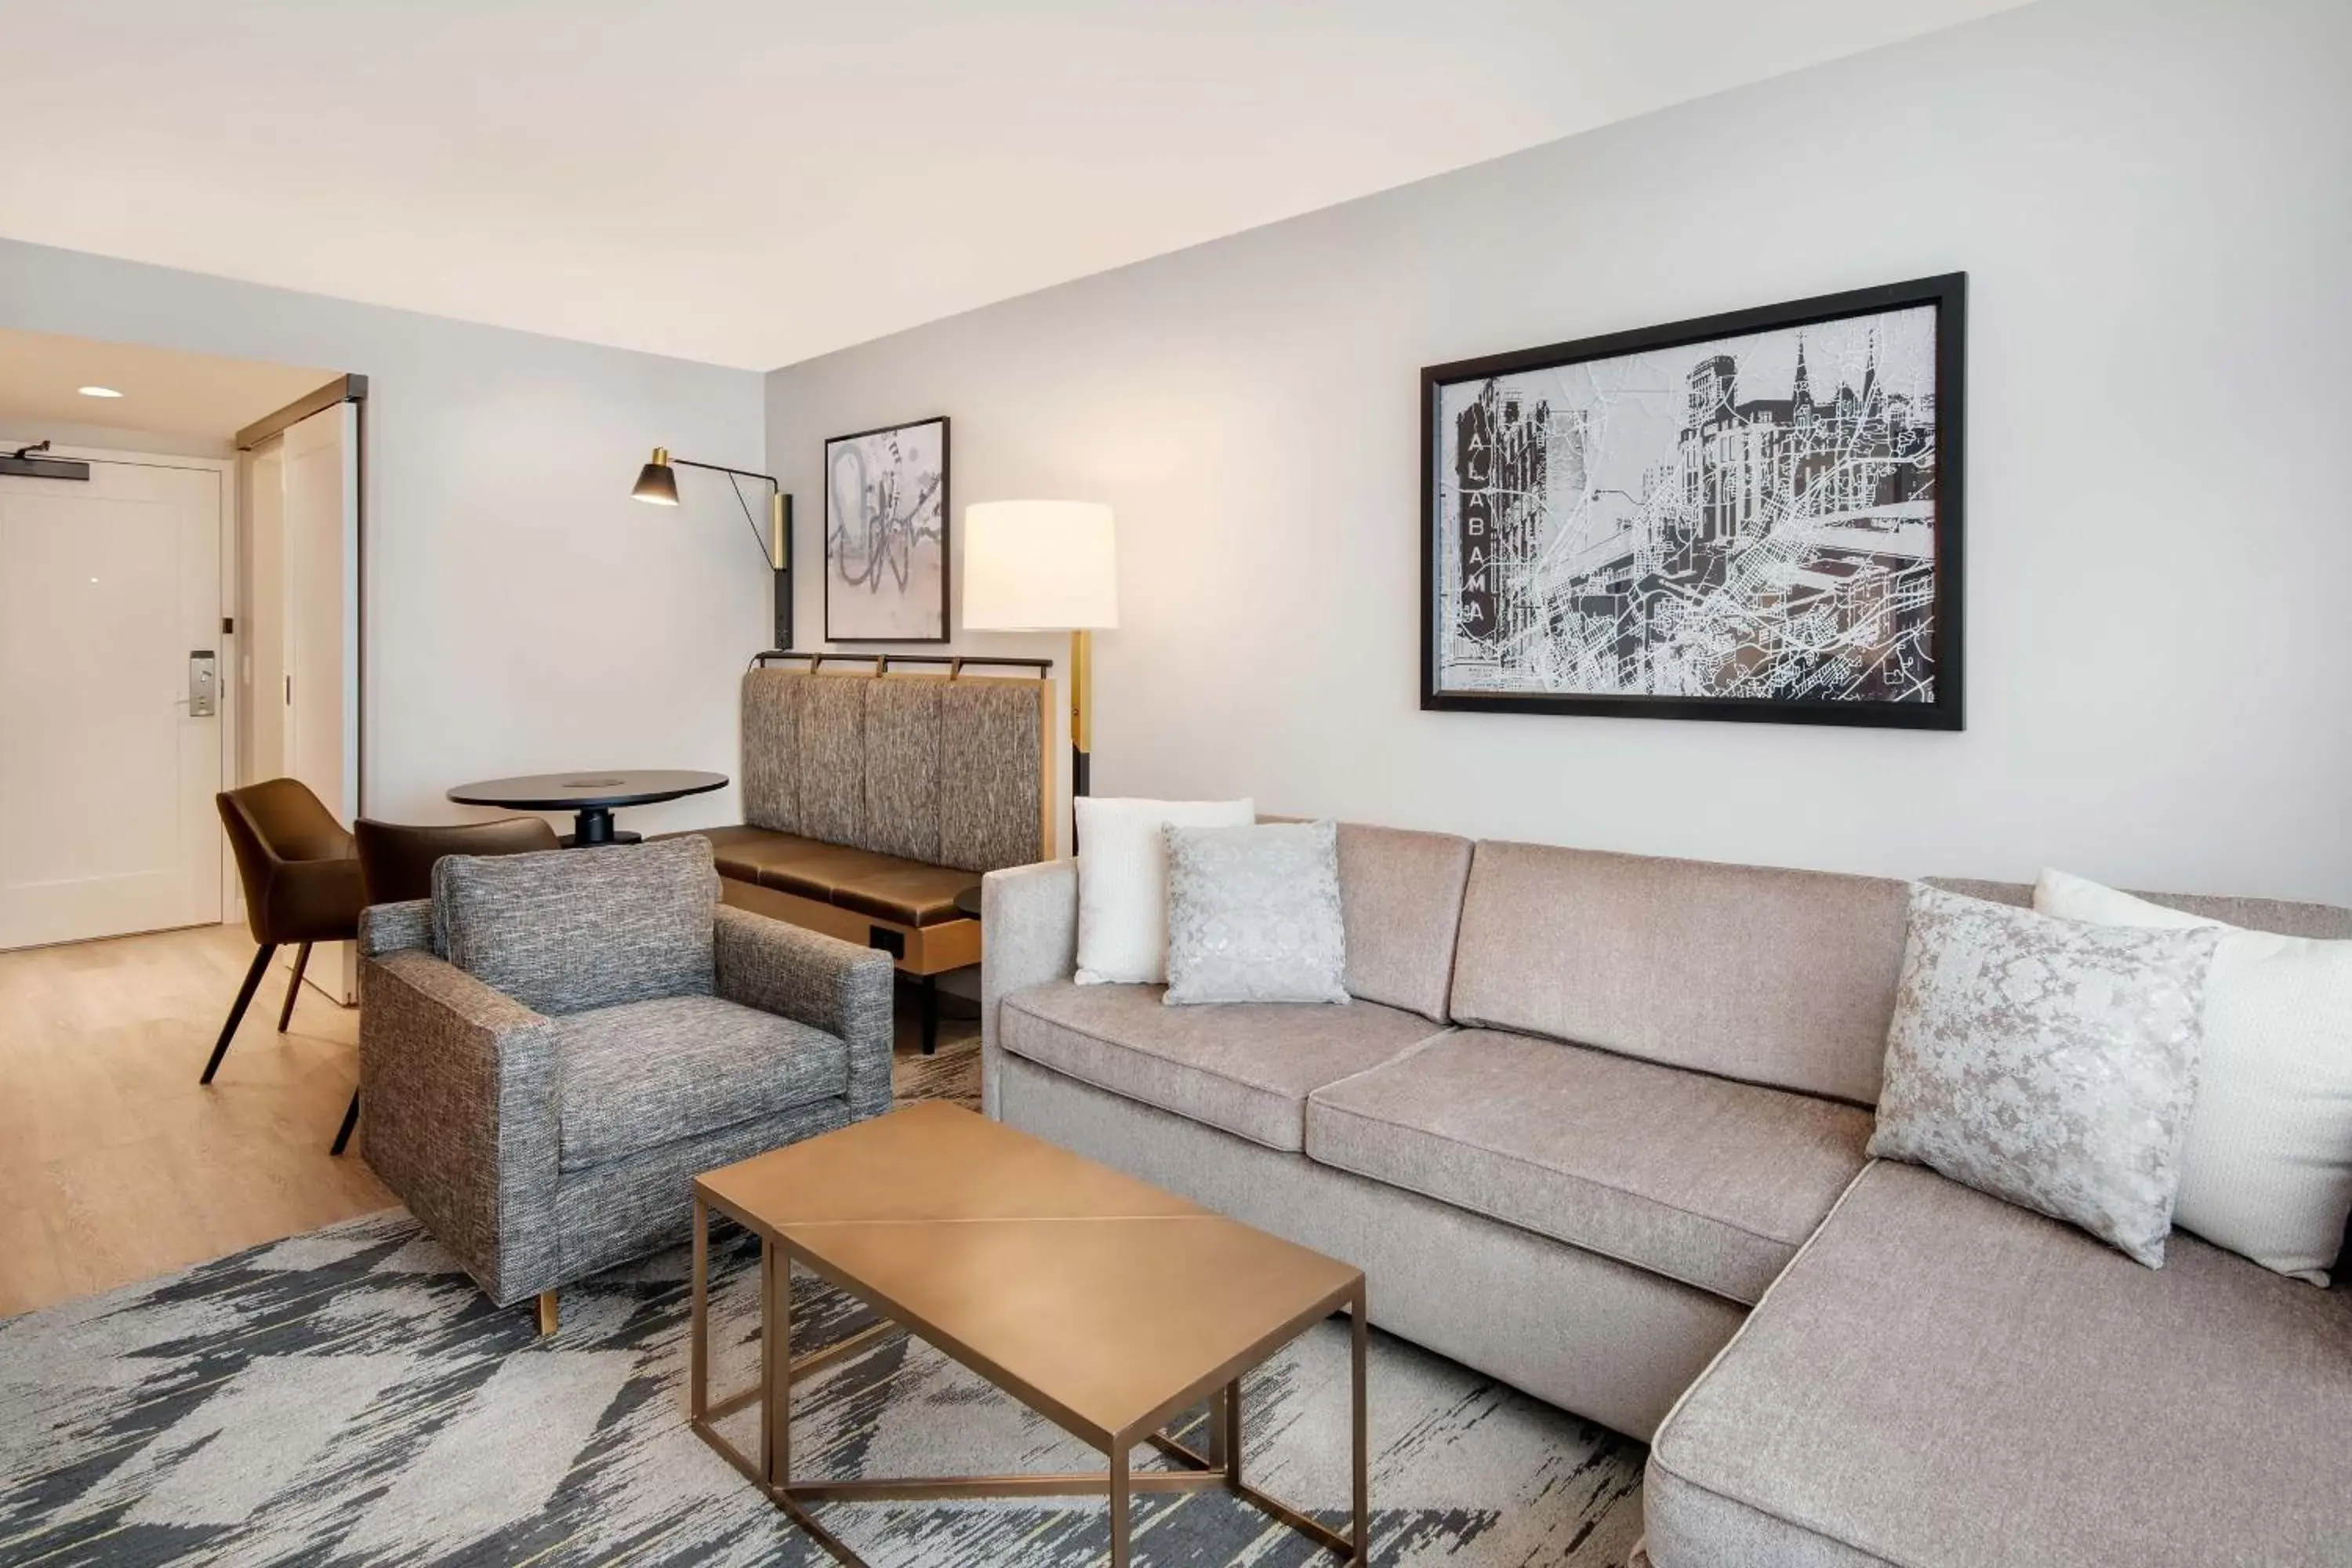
[{"x": 1103, "y": 1302}]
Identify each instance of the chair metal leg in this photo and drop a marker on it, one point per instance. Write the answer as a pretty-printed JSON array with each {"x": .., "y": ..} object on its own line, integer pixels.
[
  {"x": 351, "y": 1120},
  {"x": 261, "y": 958},
  {"x": 930, "y": 1014},
  {"x": 294, "y": 986},
  {"x": 549, "y": 1316}
]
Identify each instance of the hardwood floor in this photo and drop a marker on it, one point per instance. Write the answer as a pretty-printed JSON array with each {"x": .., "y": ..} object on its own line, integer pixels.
[{"x": 115, "y": 1166}]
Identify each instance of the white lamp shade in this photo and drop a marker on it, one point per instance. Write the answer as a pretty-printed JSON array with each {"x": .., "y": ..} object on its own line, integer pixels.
[{"x": 1039, "y": 565}]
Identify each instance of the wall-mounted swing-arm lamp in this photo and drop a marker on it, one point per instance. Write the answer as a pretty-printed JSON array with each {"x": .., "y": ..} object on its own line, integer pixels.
[{"x": 657, "y": 483}]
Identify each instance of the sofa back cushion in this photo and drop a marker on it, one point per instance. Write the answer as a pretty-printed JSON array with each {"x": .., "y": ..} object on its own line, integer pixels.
[
  {"x": 1774, "y": 976},
  {"x": 1401, "y": 895},
  {"x": 566, "y": 930},
  {"x": 2282, "y": 917},
  {"x": 946, "y": 769}
]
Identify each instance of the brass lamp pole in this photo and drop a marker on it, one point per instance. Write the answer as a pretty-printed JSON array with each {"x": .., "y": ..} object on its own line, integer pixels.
[{"x": 657, "y": 484}]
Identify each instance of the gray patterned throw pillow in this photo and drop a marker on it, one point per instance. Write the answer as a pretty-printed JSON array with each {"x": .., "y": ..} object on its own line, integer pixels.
[
  {"x": 1254, "y": 914},
  {"x": 2047, "y": 1062}
]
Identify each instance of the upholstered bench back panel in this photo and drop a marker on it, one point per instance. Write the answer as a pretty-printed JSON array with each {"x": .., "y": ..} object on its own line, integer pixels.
[
  {"x": 946, "y": 770},
  {"x": 830, "y": 762},
  {"x": 1778, "y": 977},
  {"x": 902, "y": 767},
  {"x": 996, "y": 786},
  {"x": 771, "y": 740}
]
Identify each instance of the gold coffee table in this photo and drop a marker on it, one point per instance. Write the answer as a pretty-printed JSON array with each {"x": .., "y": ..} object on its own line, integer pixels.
[{"x": 1100, "y": 1302}]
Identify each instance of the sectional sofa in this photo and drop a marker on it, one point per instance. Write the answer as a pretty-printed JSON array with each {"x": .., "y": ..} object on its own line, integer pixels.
[{"x": 1596, "y": 1124}]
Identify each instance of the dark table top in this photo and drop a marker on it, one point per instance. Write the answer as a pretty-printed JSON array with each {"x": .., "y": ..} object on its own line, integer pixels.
[{"x": 590, "y": 788}]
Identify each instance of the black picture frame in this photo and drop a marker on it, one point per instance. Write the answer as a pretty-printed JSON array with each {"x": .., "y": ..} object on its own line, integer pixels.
[
  {"x": 1948, "y": 295},
  {"x": 946, "y": 516}
]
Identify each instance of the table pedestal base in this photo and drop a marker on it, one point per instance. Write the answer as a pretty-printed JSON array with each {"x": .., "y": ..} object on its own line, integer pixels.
[{"x": 592, "y": 827}]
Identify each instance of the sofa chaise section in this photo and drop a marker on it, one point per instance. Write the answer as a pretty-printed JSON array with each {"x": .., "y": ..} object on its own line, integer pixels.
[{"x": 1941, "y": 1380}]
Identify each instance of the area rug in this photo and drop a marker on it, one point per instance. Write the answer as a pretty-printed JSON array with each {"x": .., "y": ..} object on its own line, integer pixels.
[{"x": 349, "y": 1398}]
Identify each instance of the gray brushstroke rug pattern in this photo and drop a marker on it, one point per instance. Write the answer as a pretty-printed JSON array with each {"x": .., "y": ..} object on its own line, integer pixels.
[{"x": 349, "y": 1397}]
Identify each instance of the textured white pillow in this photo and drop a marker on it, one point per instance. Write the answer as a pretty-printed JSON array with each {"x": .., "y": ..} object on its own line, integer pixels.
[
  {"x": 2267, "y": 1168},
  {"x": 1254, "y": 914},
  {"x": 1123, "y": 881}
]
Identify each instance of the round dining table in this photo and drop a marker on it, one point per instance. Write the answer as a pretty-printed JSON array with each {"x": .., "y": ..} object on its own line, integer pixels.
[{"x": 592, "y": 797}]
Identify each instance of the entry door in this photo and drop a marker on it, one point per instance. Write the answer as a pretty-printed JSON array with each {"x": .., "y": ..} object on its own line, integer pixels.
[{"x": 109, "y": 590}]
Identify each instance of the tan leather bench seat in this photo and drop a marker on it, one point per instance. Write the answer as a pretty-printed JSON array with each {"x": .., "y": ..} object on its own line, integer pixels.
[{"x": 883, "y": 886}]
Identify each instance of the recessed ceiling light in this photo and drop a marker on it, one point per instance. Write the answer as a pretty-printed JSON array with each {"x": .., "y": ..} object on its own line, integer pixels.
[{"x": 99, "y": 392}]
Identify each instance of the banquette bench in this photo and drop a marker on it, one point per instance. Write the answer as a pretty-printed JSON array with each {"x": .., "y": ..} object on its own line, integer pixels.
[{"x": 873, "y": 797}]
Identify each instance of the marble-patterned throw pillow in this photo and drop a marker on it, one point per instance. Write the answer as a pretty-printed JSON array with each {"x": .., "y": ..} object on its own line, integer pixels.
[
  {"x": 2048, "y": 1062},
  {"x": 1254, "y": 914}
]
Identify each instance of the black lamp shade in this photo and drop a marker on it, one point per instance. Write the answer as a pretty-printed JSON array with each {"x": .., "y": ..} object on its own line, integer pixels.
[{"x": 657, "y": 481}]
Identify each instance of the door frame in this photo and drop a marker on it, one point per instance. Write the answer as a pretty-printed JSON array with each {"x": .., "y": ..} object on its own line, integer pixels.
[
  {"x": 352, "y": 388},
  {"x": 232, "y": 643}
]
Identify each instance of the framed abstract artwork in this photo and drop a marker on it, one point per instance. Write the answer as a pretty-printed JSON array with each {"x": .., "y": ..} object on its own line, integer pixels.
[
  {"x": 1753, "y": 516},
  {"x": 885, "y": 534}
]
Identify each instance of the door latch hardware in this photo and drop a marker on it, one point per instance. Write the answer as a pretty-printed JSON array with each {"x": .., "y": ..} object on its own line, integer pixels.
[{"x": 203, "y": 684}]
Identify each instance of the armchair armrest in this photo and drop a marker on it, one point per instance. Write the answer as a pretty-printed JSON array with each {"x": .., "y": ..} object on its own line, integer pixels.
[
  {"x": 459, "y": 1083},
  {"x": 1028, "y": 936},
  {"x": 817, "y": 980},
  {"x": 396, "y": 928}
]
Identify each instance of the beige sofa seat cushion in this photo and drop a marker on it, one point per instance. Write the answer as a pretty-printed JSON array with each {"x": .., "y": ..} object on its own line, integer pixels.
[
  {"x": 1706, "y": 1181},
  {"x": 1775, "y": 976},
  {"x": 1941, "y": 1380},
  {"x": 1245, "y": 1068}
]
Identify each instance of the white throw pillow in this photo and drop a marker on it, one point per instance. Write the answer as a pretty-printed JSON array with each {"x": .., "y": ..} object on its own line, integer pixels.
[
  {"x": 2267, "y": 1169},
  {"x": 1123, "y": 881}
]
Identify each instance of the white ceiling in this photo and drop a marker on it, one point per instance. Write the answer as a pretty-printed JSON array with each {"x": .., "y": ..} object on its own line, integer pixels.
[
  {"x": 753, "y": 182},
  {"x": 163, "y": 390}
]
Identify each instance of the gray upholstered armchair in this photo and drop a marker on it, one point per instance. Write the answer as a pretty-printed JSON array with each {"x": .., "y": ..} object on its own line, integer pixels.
[{"x": 554, "y": 1045}]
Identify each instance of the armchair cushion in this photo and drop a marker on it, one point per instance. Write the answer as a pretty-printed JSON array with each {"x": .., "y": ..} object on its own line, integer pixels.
[
  {"x": 567, "y": 930},
  {"x": 642, "y": 1074}
]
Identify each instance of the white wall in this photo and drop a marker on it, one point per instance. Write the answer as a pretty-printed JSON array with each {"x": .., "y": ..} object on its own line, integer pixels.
[
  {"x": 2150, "y": 200},
  {"x": 523, "y": 614}
]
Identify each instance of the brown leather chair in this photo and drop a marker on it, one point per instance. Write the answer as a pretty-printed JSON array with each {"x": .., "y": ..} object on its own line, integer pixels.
[
  {"x": 397, "y": 865},
  {"x": 301, "y": 885},
  {"x": 397, "y": 862}
]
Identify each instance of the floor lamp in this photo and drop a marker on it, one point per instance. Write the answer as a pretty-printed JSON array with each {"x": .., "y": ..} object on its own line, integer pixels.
[{"x": 1045, "y": 566}]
